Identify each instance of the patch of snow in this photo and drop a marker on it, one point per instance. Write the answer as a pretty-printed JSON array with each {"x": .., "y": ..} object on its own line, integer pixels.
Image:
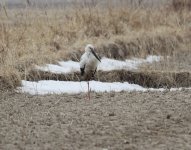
[
  {"x": 53, "y": 68},
  {"x": 129, "y": 64},
  {"x": 111, "y": 64},
  {"x": 106, "y": 64},
  {"x": 63, "y": 67},
  {"x": 70, "y": 87},
  {"x": 74, "y": 66},
  {"x": 152, "y": 58}
]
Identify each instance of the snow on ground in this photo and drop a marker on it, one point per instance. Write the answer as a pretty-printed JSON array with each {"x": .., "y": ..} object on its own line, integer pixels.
[
  {"x": 129, "y": 64},
  {"x": 63, "y": 67},
  {"x": 57, "y": 87},
  {"x": 70, "y": 87},
  {"x": 106, "y": 64}
]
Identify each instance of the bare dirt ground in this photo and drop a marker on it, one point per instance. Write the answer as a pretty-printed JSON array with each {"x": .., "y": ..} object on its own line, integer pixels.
[{"x": 126, "y": 120}]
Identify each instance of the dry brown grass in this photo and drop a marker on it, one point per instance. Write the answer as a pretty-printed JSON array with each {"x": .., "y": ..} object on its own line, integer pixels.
[
  {"x": 29, "y": 37},
  {"x": 179, "y": 5},
  {"x": 151, "y": 79}
]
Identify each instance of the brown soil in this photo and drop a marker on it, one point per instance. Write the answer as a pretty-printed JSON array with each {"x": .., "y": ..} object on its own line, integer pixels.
[{"x": 151, "y": 120}]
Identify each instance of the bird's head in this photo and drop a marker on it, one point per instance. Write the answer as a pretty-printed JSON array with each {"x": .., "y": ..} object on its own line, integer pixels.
[{"x": 89, "y": 48}]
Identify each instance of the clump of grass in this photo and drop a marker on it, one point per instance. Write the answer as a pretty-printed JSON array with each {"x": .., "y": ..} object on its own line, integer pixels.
[
  {"x": 180, "y": 5},
  {"x": 150, "y": 79},
  {"x": 9, "y": 79},
  {"x": 29, "y": 37}
]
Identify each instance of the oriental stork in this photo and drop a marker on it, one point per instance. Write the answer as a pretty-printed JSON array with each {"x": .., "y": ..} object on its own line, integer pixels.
[{"x": 88, "y": 64}]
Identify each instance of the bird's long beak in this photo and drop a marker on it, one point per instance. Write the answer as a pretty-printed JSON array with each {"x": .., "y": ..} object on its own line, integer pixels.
[{"x": 95, "y": 54}]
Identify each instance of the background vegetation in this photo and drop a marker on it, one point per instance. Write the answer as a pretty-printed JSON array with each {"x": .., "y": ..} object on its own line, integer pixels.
[{"x": 34, "y": 35}]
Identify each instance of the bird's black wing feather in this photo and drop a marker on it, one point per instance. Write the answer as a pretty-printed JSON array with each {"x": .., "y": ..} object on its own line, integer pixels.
[{"x": 82, "y": 70}]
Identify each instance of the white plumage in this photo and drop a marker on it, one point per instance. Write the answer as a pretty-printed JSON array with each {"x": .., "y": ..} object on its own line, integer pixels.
[{"x": 89, "y": 62}]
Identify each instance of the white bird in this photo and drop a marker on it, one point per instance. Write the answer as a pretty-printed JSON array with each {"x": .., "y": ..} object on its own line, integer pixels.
[{"x": 88, "y": 64}]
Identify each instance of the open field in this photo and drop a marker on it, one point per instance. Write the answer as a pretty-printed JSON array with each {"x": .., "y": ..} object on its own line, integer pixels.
[
  {"x": 32, "y": 36},
  {"x": 135, "y": 120}
]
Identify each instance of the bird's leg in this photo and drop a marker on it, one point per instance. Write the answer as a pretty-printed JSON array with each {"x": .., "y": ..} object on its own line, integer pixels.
[{"x": 88, "y": 91}]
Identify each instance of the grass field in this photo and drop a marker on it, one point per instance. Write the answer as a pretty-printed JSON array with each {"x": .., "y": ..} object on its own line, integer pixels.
[{"x": 39, "y": 36}]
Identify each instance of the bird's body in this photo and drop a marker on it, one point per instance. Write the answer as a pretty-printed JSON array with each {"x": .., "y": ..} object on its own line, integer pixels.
[{"x": 88, "y": 64}]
